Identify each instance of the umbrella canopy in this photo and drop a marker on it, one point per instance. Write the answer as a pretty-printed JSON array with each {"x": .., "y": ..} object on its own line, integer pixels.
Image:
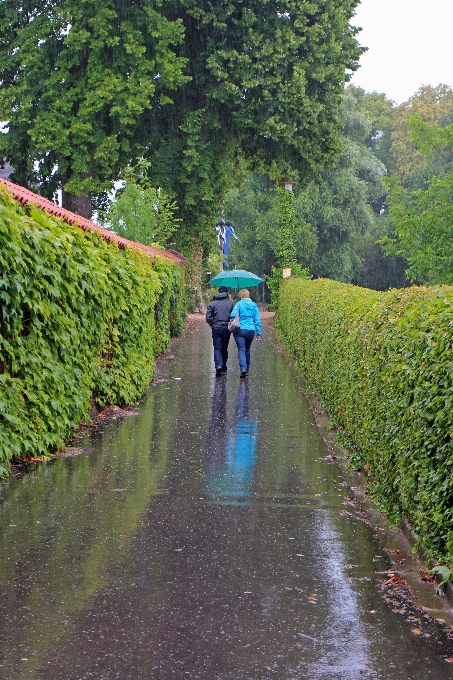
[{"x": 236, "y": 278}]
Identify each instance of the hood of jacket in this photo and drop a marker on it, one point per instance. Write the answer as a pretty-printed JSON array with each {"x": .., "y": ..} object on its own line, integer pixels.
[{"x": 247, "y": 303}]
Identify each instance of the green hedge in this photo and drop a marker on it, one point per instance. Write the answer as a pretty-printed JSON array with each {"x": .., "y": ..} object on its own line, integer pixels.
[
  {"x": 382, "y": 364},
  {"x": 79, "y": 318}
]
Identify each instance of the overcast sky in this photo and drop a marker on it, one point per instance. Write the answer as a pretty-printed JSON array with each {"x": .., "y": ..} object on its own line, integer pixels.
[{"x": 410, "y": 44}]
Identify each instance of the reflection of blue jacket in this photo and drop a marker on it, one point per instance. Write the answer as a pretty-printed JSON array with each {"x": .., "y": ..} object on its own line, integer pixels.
[
  {"x": 231, "y": 457},
  {"x": 249, "y": 315}
]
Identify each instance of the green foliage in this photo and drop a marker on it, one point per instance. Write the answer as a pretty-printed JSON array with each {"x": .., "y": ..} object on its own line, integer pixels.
[
  {"x": 378, "y": 270},
  {"x": 445, "y": 573},
  {"x": 139, "y": 212},
  {"x": 377, "y": 112},
  {"x": 77, "y": 80},
  {"x": 432, "y": 105},
  {"x": 286, "y": 249},
  {"x": 88, "y": 85},
  {"x": 423, "y": 219},
  {"x": 341, "y": 208},
  {"x": 254, "y": 210},
  {"x": 334, "y": 223},
  {"x": 382, "y": 365},
  {"x": 265, "y": 86},
  {"x": 79, "y": 318},
  {"x": 275, "y": 280}
]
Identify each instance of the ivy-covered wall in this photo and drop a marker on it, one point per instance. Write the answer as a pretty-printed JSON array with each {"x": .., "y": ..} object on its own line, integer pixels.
[
  {"x": 79, "y": 318},
  {"x": 382, "y": 364}
]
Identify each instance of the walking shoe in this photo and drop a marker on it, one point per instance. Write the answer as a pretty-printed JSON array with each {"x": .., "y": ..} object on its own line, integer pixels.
[
  {"x": 218, "y": 372},
  {"x": 223, "y": 372},
  {"x": 244, "y": 374}
]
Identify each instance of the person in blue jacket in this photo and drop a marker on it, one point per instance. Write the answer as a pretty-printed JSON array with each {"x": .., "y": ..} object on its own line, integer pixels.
[{"x": 250, "y": 324}]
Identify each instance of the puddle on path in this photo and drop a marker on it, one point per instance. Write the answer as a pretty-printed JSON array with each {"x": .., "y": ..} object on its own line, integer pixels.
[{"x": 203, "y": 539}]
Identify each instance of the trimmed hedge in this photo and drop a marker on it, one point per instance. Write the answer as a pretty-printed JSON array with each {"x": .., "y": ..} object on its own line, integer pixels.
[
  {"x": 382, "y": 364},
  {"x": 79, "y": 318}
]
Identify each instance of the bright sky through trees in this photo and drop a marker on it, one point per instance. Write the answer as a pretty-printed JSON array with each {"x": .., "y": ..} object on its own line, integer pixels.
[{"x": 410, "y": 44}]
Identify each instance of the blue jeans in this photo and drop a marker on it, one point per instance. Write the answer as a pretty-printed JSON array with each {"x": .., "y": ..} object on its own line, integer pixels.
[
  {"x": 243, "y": 340},
  {"x": 220, "y": 340}
]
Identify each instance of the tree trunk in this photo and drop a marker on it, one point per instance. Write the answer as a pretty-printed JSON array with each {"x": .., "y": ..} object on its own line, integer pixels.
[{"x": 81, "y": 205}]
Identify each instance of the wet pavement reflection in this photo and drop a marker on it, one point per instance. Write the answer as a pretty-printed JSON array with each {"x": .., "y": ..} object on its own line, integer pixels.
[{"x": 205, "y": 537}]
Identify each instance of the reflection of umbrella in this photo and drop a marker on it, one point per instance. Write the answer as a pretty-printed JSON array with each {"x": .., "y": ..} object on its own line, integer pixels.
[{"x": 236, "y": 278}]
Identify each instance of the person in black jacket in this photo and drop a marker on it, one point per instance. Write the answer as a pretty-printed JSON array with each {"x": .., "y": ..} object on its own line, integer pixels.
[{"x": 217, "y": 316}]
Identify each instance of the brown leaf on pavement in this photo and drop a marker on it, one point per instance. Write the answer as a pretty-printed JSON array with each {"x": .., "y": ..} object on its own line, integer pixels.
[
  {"x": 425, "y": 576},
  {"x": 395, "y": 580}
]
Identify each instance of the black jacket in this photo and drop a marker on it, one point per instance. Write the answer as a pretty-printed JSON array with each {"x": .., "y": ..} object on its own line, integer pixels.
[{"x": 219, "y": 310}]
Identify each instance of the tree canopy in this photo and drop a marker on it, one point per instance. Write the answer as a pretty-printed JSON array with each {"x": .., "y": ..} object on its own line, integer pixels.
[
  {"x": 266, "y": 82},
  {"x": 433, "y": 105},
  {"x": 78, "y": 78},
  {"x": 139, "y": 211},
  {"x": 196, "y": 85},
  {"x": 423, "y": 219},
  {"x": 332, "y": 213}
]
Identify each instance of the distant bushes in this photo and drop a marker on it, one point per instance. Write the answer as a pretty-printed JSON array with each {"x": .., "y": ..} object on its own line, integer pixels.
[
  {"x": 382, "y": 364},
  {"x": 79, "y": 318}
]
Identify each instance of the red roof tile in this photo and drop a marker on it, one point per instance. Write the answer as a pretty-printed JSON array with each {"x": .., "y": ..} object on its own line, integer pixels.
[{"x": 26, "y": 196}]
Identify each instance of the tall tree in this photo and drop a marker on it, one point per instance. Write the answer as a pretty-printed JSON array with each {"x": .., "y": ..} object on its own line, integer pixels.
[
  {"x": 255, "y": 210},
  {"x": 377, "y": 110},
  {"x": 423, "y": 219},
  {"x": 340, "y": 206},
  {"x": 139, "y": 211},
  {"x": 266, "y": 83},
  {"x": 78, "y": 79},
  {"x": 87, "y": 83},
  {"x": 434, "y": 105},
  {"x": 338, "y": 217}
]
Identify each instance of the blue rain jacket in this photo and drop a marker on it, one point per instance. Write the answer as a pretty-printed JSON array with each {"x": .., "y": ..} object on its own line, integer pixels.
[{"x": 249, "y": 315}]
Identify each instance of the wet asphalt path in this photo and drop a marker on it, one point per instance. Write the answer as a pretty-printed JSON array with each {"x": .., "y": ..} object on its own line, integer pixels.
[{"x": 206, "y": 538}]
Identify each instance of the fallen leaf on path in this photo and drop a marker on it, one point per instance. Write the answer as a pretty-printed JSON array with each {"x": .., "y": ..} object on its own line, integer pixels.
[
  {"x": 395, "y": 580},
  {"x": 413, "y": 619},
  {"x": 416, "y": 631},
  {"x": 426, "y": 576},
  {"x": 350, "y": 500}
]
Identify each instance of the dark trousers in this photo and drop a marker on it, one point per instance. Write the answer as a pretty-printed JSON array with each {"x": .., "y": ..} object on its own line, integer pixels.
[
  {"x": 243, "y": 340},
  {"x": 220, "y": 340}
]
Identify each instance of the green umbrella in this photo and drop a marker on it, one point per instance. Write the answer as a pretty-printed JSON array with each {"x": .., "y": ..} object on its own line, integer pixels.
[{"x": 236, "y": 278}]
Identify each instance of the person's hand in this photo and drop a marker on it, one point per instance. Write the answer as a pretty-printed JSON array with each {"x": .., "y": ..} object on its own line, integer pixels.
[{"x": 258, "y": 338}]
